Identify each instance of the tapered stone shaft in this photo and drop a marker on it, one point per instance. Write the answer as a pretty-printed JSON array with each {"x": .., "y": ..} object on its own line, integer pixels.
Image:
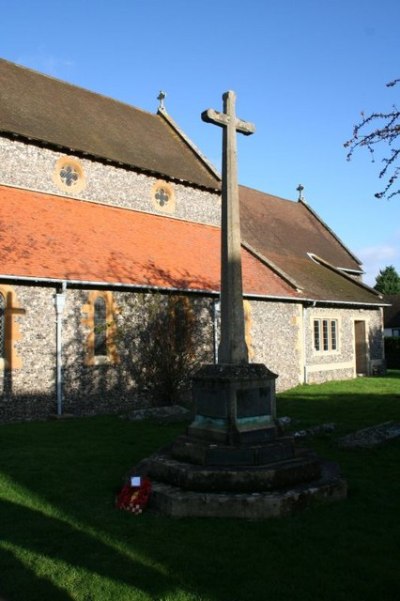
[{"x": 233, "y": 348}]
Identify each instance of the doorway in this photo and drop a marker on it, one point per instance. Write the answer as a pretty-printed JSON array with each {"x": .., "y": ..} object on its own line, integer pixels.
[{"x": 361, "y": 348}]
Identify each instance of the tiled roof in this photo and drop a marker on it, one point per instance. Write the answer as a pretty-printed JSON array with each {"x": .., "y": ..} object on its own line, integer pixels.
[
  {"x": 286, "y": 228},
  {"x": 286, "y": 233},
  {"x": 56, "y": 113},
  {"x": 51, "y": 237}
]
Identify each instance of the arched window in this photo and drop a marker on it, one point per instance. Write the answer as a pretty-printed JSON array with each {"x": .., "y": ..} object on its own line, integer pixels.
[
  {"x": 181, "y": 324},
  {"x": 100, "y": 327},
  {"x": 2, "y": 326},
  {"x": 100, "y": 311}
]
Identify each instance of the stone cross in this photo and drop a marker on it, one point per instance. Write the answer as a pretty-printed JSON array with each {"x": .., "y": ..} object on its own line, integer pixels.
[{"x": 233, "y": 348}]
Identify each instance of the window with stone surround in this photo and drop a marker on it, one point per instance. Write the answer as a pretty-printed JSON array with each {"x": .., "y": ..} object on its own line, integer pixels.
[
  {"x": 100, "y": 312},
  {"x": 163, "y": 197},
  {"x": 325, "y": 335},
  {"x": 9, "y": 328},
  {"x": 181, "y": 323},
  {"x": 69, "y": 175},
  {"x": 100, "y": 327}
]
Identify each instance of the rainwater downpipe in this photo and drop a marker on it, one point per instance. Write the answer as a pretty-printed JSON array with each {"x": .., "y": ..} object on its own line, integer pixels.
[
  {"x": 216, "y": 319},
  {"x": 59, "y": 300}
]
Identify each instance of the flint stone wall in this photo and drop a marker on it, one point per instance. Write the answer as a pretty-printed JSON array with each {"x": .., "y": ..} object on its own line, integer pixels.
[
  {"x": 110, "y": 387},
  {"x": 29, "y": 166},
  {"x": 341, "y": 364},
  {"x": 29, "y": 392},
  {"x": 276, "y": 340},
  {"x": 282, "y": 338}
]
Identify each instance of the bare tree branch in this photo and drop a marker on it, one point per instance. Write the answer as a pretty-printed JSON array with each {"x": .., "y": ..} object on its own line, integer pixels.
[{"x": 378, "y": 128}]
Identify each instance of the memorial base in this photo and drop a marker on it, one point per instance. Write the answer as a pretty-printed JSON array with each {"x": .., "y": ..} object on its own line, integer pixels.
[
  {"x": 176, "y": 502},
  {"x": 234, "y": 404},
  {"x": 233, "y": 460}
]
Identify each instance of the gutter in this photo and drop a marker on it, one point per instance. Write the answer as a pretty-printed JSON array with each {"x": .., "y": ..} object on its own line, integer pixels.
[
  {"x": 138, "y": 287},
  {"x": 143, "y": 288},
  {"x": 101, "y": 284},
  {"x": 313, "y": 301}
]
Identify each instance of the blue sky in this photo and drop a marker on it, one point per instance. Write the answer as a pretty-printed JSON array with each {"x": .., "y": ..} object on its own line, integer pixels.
[{"x": 303, "y": 70}]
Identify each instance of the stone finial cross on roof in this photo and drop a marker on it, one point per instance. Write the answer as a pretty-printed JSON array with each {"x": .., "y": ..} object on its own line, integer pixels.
[
  {"x": 233, "y": 349},
  {"x": 161, "y": 98},
  {"x": 300, "y": 189}
]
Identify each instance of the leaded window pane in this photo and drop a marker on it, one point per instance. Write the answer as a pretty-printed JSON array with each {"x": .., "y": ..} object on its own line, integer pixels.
[
  {"x": 333, "y": 335},
  {"x": 181, "y": 332},
  {"x": 69, "y": 175},
  {"x": 100, "y": 327},
  {"x": 325, "y": 334},
  {"x": 316, "y": 335}
]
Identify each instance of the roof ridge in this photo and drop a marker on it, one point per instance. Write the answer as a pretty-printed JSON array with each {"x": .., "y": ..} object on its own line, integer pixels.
[{"x": 293, "y": 202}]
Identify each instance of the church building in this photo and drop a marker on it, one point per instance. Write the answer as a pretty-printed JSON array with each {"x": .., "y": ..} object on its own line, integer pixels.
[{"x": 104, "y": 207}]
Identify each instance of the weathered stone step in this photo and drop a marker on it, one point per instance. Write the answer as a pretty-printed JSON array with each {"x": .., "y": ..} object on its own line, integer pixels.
[
  {"x": 176, "y": 502},
  {"x": 200, "y": 452},
  {"x": 277, "y": 475}
]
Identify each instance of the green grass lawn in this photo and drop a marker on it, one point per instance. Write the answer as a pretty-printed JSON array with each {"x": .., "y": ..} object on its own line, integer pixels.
[{"x": 61, "y": 537}]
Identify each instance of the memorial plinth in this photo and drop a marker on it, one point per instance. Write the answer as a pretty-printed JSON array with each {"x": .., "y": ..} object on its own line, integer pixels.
[{"x": 235, "y": 404}]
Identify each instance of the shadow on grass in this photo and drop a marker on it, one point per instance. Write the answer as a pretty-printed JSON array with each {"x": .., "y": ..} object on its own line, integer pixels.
[
  {"x": 24, "y": 530},
  {"x": 19, "y": 580},
  {"x": 216, "y": 560}
]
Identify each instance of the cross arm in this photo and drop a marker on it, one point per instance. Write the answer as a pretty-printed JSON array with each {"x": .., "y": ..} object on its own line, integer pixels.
[
  {"x": 222, "y": 119},
  {"x": 211, "y": 116},
  {"x": 245, "y": 127}
]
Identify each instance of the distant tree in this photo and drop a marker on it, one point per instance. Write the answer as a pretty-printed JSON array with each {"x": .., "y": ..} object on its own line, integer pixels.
[
  {"x": 388, "y": 281},
  {"x": 380, "y": 128}
]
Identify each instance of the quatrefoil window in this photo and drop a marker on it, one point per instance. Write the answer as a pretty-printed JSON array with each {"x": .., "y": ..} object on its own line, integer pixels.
[
  {"x": 68, "y": 175},
  {"x": 163, "y": 196}
]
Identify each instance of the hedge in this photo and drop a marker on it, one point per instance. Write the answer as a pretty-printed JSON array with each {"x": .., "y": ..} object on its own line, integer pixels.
[{"x": 392, "y": 352}]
